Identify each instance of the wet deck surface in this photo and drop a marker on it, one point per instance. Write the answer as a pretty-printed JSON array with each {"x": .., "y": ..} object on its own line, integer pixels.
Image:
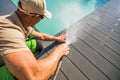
[{"x": 96, "y": 53}]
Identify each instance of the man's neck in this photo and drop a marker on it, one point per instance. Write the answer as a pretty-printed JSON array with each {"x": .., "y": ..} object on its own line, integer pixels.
[{"x": 24, "y": 23}]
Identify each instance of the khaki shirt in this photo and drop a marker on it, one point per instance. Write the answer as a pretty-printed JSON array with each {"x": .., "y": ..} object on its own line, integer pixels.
[{"x": 12, "y": 35}]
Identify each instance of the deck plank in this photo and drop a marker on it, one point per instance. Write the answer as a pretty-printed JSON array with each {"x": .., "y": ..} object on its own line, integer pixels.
[
  {"x": 71, "y": 71},
  {"x": 102, "y": 50},
  {"x": 101, "y": 37},
  {"x": 98, "y": 47},
  {"x": 106, "y": 15},
  {"x": 98, "y": 61},
  {"x": 85, "y": 66},
  {"x": 112, "y": 9},
  {"x": 104, "y": 30},
  {"x": 61, "y": 76},
  {"x": 106, "y": 23}
]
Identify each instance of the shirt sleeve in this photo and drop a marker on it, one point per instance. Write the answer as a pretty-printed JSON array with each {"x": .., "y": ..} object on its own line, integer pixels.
[
  {"x": 30, "y": 31},
  {"x": 11, "y": 40}
]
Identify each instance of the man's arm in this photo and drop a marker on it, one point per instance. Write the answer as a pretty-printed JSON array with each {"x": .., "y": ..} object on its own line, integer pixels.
[
  {"x": 25, "y": 67},
  {"x": 46, "y": 37}
]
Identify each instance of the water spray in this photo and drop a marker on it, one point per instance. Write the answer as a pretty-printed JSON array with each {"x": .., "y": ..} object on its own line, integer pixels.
[{"x": 71, "y": 35}]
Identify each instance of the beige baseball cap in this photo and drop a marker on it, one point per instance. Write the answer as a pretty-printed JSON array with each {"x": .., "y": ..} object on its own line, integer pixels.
[{"x": 35, "y": 6}]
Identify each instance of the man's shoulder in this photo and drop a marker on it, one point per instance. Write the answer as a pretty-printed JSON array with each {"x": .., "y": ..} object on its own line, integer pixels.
[
  {"x": 3, "y": 19},
  {"x": 6, "y": 22}
]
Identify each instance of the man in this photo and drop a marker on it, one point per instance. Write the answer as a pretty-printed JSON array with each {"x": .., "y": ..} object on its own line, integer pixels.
[{"x": 17, "y": 57}]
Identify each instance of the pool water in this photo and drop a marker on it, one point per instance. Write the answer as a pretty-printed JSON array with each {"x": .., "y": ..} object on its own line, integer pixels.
[{"x": 66, "y": 13}]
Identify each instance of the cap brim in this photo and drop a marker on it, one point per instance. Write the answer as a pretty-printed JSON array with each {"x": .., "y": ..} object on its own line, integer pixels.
[{"x": 47, "y": 14}]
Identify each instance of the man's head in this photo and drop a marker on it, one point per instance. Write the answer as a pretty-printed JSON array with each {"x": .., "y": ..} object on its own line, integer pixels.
[{"x": 31, "y": 7}]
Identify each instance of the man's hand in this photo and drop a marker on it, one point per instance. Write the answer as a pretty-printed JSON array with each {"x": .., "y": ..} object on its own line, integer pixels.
[
  {"x": 61, "y": 38},
  {"x": 62, "y": 49}
]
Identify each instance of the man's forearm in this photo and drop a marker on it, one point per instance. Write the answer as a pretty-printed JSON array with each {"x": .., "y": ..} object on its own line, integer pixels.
[
  {"x": 52, "y": 60},
  {"x": 50, "y": 64},
  {"x": 44, "y": 37}
]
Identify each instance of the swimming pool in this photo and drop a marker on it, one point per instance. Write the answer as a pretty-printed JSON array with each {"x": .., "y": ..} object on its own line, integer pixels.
[{"x": 65, "y": 13}]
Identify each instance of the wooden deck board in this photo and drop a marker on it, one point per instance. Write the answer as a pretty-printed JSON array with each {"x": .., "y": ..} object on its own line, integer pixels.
[
  {"x": 71, "y": 71},
  {"x": 84, "y": 65},
  {"x": 106, "y": 23},
  {"x": 97, "y": 51},
  {"x": 102, "y": 50},
  {"x": 106, "y": 16},
  {"x": 102, "y": 38},
  {"x": 98, "y": 61},
  {"x": 61, "y": 76},
  {"x": 104, "y": 30}
]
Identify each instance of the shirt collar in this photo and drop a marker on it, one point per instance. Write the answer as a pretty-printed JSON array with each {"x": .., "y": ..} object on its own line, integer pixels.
[{"x": 17, "y": 22}]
